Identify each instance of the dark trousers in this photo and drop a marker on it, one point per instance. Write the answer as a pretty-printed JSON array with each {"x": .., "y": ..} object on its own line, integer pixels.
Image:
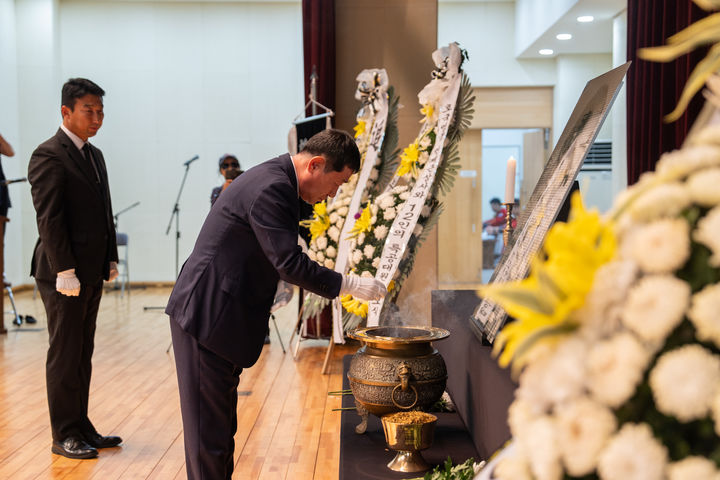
[
  {"x": 208, "y": 403},
  {"x": 71, "y": 325}
]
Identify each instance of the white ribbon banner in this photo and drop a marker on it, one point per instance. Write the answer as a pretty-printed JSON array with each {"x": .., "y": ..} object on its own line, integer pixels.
[
  {"x": 377, "y": 134},
  {"x": 405, "y": 221}
]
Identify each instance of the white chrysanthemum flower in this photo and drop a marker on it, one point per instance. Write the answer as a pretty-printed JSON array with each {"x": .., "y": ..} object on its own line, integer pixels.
[
  {"x": 584, "y": 427},
  {"x": 373, "y": 220},
  {"x": 330, "y": 252},
  {"x": 680, "y": 163},
  {"x": 353, "y": 244},
  {"x": 404, "y": 196},
  {"x": 389, "y": 213},
  {"x": 615, "y": 367},
  {"x": 376, "y": 262},
  {"x": 707, "y": 232},
  {"x": 334, "y": 217},
  {"x": 512, "y": 467},
  {"x": 321, "y": 242},
  {"x": 423, "y": 158},
  {"x": 356, "y": 256},
  {"x": 665, "y": 200},
  {"x": 520, "y": 414},
  {"x": 425, "y": 142},
  {"x": 633, "y": 454},
  {"x": 655, "y": 306},
  {"x": 386, "y": 201},
  {"x": 431, "y": 93},
  {"x": 313, "y": 256},
  {"x": 333, "y": 232},
  {"x": 320, "y": 257},
  {"x": 599, "y": 317},
  {"x": 343, "y": 211},
  {"x": 380, "y": 232},
  {"x": 361, "y": 238},
  {"x": 374, "y": 210},
  {"x": 374, "y": 174},
  {"x": 369, "y": 251},
  {"x": 708, "y": 135},
  {"x": 539, "y": 445},
  {"x": 704, "y": 308},
  {"x": 555, "y": 378},
  {"x": 329, "y": 263},
  {"x": 417, "y": 231},
  {"x": 703, "y": 187},
  {"x": 425, "y": 212},
  {"x": 662, "y": 246},
  {"x": 366, "y": 274},
  {"x": 684, "y": 382},
  {"x": 692, "y": 468}
]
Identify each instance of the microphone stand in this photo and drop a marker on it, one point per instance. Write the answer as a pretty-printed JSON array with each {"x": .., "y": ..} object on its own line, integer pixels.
[
  {"x": 176, "y": 214},
  {"x": 115, "y": 217}
]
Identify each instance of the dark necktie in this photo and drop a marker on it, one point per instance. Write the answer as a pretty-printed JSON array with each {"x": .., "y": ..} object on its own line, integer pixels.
[{"x": 89, "y": 157}]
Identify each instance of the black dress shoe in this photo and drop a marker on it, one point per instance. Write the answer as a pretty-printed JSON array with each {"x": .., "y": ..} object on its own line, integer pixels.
[
  {"x": 98, "y": 441},
  {"x": 73, "y": 447}
]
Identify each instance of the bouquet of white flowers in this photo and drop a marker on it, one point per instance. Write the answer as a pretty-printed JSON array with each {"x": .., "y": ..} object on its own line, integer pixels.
[{"x": 616, "y": 337}]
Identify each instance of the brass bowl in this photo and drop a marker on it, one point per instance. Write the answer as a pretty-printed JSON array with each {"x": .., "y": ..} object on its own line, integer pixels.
[{"x": 408, "y": 439}]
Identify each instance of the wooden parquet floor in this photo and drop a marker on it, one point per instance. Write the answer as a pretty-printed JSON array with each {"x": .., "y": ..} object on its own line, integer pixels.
[{"x": 286, "y": 426}]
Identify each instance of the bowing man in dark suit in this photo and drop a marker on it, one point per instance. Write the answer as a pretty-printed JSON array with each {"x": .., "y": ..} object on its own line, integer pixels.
[
  {"x": 75, "y": 252},
  {"x": 220, "y": 306}
]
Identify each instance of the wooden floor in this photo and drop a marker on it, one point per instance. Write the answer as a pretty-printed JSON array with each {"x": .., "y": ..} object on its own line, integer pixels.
[{"x": 286, "y": 426}]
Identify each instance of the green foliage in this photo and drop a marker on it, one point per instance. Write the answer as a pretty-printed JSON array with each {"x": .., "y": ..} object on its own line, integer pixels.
[
  {"x": 446, "y": 471},
  {"x": 389, "y": 152}
]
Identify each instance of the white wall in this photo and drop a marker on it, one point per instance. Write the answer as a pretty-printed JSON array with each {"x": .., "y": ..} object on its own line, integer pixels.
[
  {"x": 536, "y": 16},
  {"x": 487, "y": 31},
  {"x": 181, "y": 79},
  {"x": 573, "y": 72}
]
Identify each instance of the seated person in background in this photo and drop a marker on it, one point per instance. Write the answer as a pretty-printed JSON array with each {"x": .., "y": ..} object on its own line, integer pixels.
[
  {"x": 230, "y": 169},
  {"x": 496, "y": 223}
]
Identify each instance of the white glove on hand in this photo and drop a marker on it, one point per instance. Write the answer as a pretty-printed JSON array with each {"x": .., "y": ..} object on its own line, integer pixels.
[
  {"x": 67, "y": 283},
  {"x": 113, "y": 272},
  {"x": 363, "y": 288}
]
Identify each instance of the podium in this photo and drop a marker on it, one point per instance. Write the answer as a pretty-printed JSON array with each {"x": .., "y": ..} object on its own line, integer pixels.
[{"x": 3, "y": 221}]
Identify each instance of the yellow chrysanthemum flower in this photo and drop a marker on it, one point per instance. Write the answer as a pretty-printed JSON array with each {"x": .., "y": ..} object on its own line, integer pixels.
[
  {"x": 360, "y": 128},
  {"x": 320, "y": 221},
  {"x": 354, "y": 306},
  {"x": 362, "y": 224},
  {"x": 427, "y": 112},
  {"x": 557, "y": 285},
  {"x": 408, "y": 160}
]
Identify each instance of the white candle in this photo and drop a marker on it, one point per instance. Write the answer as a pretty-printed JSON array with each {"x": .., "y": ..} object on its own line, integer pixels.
[{"x": 510, "y": 180}]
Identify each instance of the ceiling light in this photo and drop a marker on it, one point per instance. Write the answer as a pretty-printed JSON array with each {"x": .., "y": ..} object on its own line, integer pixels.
[
  {"x": 563, "y": 36},
  {"x": 585, "y": 19},
  {"x": 545, "y": 51}
]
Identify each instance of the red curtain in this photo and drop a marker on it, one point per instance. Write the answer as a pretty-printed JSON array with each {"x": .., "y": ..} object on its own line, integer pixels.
[
  {"x": 319, "y": 48},
  {"x": 653, "y": 89}
]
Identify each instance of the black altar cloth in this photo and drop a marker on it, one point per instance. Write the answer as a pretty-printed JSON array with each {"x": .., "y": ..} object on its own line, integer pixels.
[
  {"x": 365, "y": 457},
  {"x": 481, "y": 390}
]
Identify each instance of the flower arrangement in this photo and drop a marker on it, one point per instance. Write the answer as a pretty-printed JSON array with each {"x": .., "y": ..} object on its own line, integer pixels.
[
  {"x": 329, "y": 216},
  {"x": 616, "y": 342},
  {"x": 374, "y": 222}
]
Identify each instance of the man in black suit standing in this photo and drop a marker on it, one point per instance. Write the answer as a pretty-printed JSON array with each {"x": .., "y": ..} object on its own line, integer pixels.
[
  {"x": 220, "y": 306},
  {"x": 75, "y": 252}
]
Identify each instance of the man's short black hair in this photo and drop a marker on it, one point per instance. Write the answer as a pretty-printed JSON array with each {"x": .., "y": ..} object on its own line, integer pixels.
[
  {"x": 77, "y": 88},
  {"x": 338, "y": 148},
  {"x": 495, "y": 200}
]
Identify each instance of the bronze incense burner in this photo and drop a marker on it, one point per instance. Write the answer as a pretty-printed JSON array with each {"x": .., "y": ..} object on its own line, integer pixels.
[{"x": 396, "y": 369}]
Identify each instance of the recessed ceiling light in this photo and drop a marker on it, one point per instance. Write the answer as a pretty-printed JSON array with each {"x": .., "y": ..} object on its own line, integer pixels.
[
  {"x": 545, "y": 51},
  {"x": 563, "y": 36},
  {"x": 585, "y": 18}
]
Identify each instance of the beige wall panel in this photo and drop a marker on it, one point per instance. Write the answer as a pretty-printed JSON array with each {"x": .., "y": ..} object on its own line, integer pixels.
[
  {"x": 460, "y": 227},
  {"x": 400, "y": 36},
  {"x": 522, "y": 107}
]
